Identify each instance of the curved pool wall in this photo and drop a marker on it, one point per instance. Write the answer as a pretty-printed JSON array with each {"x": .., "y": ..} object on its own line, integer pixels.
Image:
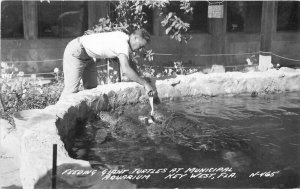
[{"x": 32, "y": 139}]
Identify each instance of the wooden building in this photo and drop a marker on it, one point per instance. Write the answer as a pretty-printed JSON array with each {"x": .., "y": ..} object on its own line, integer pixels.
[{"x": 38, "y": 31}]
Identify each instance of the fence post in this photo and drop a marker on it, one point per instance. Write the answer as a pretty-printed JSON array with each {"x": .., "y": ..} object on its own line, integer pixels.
[
  {"x": 54, "y": 164},
  {"x": 119, "y": 72},
  {"x": 2, "y": 103},
  {"x": 108, "y": 79}
]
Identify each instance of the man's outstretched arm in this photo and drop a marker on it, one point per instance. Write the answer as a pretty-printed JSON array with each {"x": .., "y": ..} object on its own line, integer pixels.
[{"x": 131, "y": 74}]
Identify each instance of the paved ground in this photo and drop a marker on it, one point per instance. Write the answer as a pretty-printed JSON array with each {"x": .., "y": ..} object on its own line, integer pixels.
[{"x": 9, "y": 171}]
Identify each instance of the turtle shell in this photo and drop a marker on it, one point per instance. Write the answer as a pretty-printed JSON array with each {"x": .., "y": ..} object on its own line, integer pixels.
[
  {"x": 124, "y": 127},
  {"x": 197, "y": 135}
]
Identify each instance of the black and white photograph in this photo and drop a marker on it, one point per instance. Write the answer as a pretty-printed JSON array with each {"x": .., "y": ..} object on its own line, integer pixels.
[{"x": 149, "y": 94}]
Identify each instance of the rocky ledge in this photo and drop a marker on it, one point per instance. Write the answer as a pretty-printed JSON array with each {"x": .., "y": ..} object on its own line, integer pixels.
[{"x": 26, "y": 150}]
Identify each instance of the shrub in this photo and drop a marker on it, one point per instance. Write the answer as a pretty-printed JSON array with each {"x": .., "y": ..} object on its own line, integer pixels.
[{"x": 20, "y": 93}]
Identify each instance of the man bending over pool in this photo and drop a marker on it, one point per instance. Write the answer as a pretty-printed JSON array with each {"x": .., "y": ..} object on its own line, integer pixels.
[{"x": 78, "y": 57}]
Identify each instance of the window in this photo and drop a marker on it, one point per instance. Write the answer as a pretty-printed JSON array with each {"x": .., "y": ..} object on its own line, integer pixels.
[
  {"x": 235, "y": 16},
  {"x": 288, "y": 18},
  {"x": 111, "y": 10},
  {"x": 11, "y": 19},
  {"x": 62, "y": 18},
  {"x": 149, "y": 17},
  {"x": 198, "y": 20},
  {"x": 244, "y": 16}
]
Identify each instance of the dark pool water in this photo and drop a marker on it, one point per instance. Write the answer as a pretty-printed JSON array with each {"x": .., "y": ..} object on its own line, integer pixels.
[{"x": 269, "y": 124}]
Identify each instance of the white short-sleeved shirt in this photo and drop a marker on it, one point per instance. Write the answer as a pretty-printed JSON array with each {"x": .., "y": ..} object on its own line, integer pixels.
[{"x": 106, "y": 45}]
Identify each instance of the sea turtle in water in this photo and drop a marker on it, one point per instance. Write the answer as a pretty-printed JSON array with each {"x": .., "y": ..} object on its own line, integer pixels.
[
  {"x": 206, "y": 137},
  {"x": 197, "y": 135},
  {"x": 124, "y": 127}
]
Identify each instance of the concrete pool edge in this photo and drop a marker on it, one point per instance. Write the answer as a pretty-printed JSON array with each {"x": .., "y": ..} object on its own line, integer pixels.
[
  {"x": 32, "y": 142},
  {"x": 271, "y": 81}
]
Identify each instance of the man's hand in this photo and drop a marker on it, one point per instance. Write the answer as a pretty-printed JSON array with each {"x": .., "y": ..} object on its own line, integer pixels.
[
  {"x": 152, "y": 93},
  {"x": 149, "y": 89},
  {"x": 131, "y": 74}
]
